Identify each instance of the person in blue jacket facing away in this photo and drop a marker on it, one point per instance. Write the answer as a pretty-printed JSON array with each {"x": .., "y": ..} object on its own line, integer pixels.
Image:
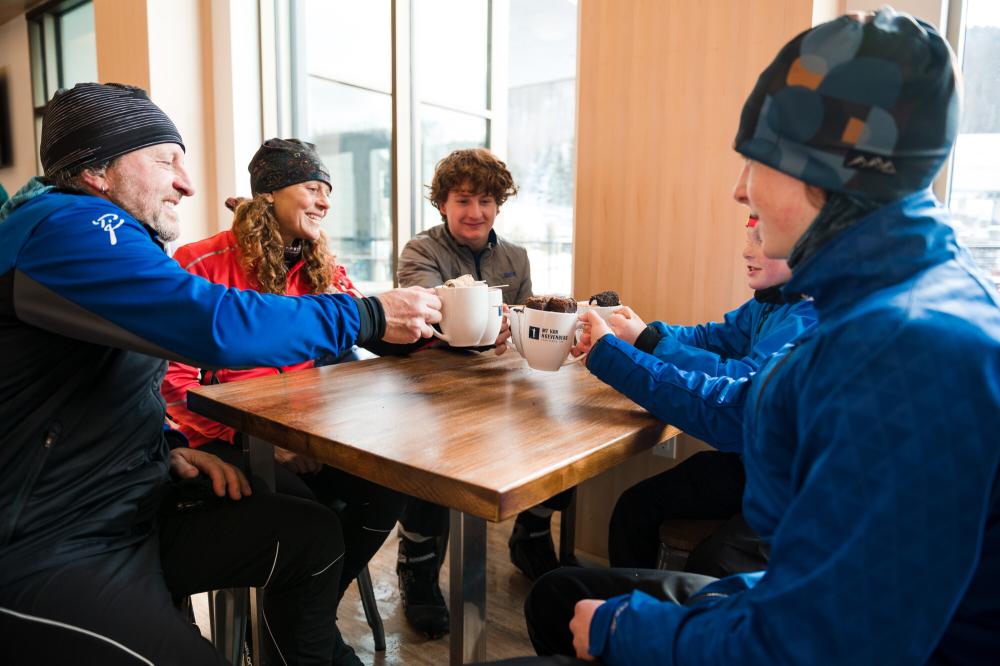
[
  {"x": 709, "y": 484},
  {"x": 105, "y": 519},
  {"x": 870, "y": 443}
]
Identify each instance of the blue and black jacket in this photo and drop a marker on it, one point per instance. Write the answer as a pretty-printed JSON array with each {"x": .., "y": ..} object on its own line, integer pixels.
[
  {"x": 872, "y": 458},
  {"x": 89, "y": 306},
  {"x": 695, "y": 377}
]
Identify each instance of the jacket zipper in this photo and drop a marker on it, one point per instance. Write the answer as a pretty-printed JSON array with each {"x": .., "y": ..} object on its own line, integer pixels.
[
  {"x": 771, "y": 374},
  {"x": 763, "y": 319},
  {"x": 9, "y": 521}
]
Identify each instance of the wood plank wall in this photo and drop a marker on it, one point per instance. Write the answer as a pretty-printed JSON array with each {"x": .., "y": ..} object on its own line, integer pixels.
[{"x": 661, "y": 84}]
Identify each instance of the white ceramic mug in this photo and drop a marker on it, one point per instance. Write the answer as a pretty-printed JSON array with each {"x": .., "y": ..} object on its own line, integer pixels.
[
  {"x": 604, "y": 310},
  {"x": 464, "y": 314},
  {"x": 494, "y": 320},
  {"x": 544, "y": 338}
]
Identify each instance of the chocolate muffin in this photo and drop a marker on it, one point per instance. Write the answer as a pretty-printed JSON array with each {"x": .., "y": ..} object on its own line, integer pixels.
[
  {"x": 560, "y": 304},
  {"x": 605, "y": 299},
  {"x": 551, "y": 303},
  {"x": 536, "y": 302}
]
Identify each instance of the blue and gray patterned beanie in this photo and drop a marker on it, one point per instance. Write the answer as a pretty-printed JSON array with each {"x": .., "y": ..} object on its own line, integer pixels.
[{"x": 866, "y": 107}]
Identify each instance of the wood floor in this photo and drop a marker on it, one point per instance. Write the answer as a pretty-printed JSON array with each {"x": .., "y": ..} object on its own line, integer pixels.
[{"x": 506, "y": 636}]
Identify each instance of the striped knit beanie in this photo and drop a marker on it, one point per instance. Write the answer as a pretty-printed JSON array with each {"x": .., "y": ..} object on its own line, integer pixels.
[
  {"x": 867, "y": 106},
  {"x": 95, "y": 122}
]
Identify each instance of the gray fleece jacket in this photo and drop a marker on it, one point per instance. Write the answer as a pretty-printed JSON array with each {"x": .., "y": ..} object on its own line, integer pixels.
[{"x": 433, "y": 256}]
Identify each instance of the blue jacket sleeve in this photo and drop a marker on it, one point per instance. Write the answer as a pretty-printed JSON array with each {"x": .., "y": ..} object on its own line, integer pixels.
[
  {"x": 749, "y": 349},
  {"x": 113, "y": 285},
  {"x": 728, "y": 339},
  {"x": 879, "y": 543},
  {"x": 709, "y": 408}
]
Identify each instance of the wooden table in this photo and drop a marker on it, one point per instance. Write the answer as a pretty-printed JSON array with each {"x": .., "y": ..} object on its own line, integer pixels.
[{"x": 484, "y": 435}]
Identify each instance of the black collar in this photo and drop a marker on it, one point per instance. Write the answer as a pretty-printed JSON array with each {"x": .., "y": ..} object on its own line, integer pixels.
[{"x": 771, "y": 295}]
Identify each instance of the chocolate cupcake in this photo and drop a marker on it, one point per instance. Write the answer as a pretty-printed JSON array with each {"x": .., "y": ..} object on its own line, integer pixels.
[
  {"x": 536, "y": 302},
  {"x": 560, "y": 304},
  {"x": 605, "y": 299}
]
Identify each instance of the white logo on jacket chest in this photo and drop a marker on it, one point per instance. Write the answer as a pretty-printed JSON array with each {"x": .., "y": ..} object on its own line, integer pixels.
[{"x": 109, "y": 222}]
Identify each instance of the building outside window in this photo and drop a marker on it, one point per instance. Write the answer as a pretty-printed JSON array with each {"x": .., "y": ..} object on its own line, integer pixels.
[
  {"x": 974, "y": 186},
  {"x": 63, "y": 48},
  {"x": 342, "y": 77},
  {"x": 493, "y": 73},
  {"x": 541, "y": 138}
]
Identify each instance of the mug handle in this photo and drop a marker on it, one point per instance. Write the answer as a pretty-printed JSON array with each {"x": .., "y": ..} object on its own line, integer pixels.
[
  {"x": 510, "y": 324},
  {"x": 570, "y": 360},
  {"x": 439, "y": 334}
]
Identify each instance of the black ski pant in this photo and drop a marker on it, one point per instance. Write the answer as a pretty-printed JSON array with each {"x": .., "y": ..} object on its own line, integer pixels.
[
  {"x": 367, "y": 511},
  {"x": 552, "y": 601},
  {"x": 119, "y": 607},
  {"x": 708, "y": 485}
]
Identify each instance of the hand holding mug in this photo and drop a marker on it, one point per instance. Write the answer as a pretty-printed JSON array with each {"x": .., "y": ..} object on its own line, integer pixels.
[
  {"x": 594, "y": 328},
  {"x": 501, "y": 343},
  {"x": 626, "y": 324},
  {"x": 409, "y": 314}
]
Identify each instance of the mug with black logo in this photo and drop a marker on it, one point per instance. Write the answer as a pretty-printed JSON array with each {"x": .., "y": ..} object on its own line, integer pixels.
[{"x": 544, "y": 338}]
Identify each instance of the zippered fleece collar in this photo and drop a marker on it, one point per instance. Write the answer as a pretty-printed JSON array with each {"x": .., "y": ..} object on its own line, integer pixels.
[
  {"x": 35, "y": 187},
  {"x": 882, "y": 249}
]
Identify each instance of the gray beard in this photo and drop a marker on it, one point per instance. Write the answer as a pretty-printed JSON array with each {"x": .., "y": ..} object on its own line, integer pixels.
[{"x": 167, "y": 230}]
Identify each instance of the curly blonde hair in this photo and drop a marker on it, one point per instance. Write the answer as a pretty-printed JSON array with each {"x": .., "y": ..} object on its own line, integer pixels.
[{"x": 263, "y": 251}]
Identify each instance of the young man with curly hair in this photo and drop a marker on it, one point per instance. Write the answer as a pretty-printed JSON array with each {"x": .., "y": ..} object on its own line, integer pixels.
[{"x": 468, "y": 189}]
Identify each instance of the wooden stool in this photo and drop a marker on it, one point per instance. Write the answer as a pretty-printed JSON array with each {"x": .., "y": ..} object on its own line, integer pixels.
[{"x": 678, "y": 537}]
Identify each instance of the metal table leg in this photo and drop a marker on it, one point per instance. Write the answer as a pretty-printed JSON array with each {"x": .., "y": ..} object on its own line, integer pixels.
[
  {"x": 468, "y": 588},
  {"x": 260, "y": 458}
]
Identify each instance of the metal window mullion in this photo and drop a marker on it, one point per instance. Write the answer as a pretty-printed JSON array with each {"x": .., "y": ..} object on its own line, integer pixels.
[
  {"x": 50, "y": 53},
  {"x": 267, "y": 43},
  {"x": 498, "y": 69},
  {"x": 415, "y": 177},
  {"x": 297, "y": 66},
  {"x": 954, "y": 31},
  {"x": 404, "y": 203}
]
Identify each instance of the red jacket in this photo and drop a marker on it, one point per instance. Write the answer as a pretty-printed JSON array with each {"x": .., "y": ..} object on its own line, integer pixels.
[{"x": 217, "y": 258}]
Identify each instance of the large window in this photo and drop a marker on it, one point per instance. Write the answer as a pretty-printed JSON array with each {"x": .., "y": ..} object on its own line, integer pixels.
[
  {"x": 343, "y": 103},
  {"x": 541, "y": 143},
  {"x": 494, "y": 73},
  {"x": 974, "y": 191},
  {"x": 63, "y": 49}
]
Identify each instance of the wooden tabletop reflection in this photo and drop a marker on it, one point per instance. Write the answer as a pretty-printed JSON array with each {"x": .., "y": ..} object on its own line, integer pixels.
[{"x": 483, "y": 434}]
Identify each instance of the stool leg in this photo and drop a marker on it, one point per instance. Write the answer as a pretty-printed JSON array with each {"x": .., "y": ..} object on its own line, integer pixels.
[
  {"x": 227, "y": 610},
  {"x": 260, "y": 647},
  {"x": 371, "y": 609}
]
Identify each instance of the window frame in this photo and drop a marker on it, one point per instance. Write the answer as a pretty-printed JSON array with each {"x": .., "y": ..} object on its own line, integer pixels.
[
  {"x": 954, "y": 32},
  {"x": 407, "y": 192},
  {"x": 42, "y": 18}
]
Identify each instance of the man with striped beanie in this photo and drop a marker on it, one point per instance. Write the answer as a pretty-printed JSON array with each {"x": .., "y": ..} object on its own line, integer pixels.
[{"x": 107, "y": 518}]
